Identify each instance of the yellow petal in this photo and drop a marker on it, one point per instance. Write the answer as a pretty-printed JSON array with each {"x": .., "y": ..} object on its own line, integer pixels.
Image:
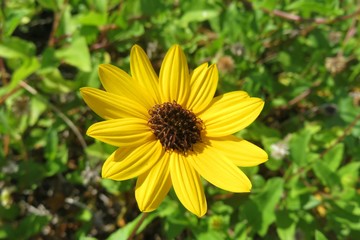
[
  {"x": 241, "y": 152},
  {"x": 174, "y": 76},
  {"x": 120, "y": 83},
  {"x": 153, "y": 186},
  {"x": 203, "y": 86},
  {"x": 121, "y": 132},
  {"x": 229, "y": 113},
  {"x": 143, "y": 72},
  {"x": 187, "y": 184},
  {"x": 129, "y": 162},
  {"x": 218, "y": 170},
  {"x": 108, "y": 105}
]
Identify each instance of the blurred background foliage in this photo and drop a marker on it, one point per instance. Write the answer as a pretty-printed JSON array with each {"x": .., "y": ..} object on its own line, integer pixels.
[{"x": 301, "y": 57}]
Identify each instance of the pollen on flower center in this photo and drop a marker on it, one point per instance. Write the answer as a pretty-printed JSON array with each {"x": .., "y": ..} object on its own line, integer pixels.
[{"x": 176, "y": 128}]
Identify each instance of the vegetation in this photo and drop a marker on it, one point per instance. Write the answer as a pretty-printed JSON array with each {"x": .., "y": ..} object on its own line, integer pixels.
[{"x": 302, "y": 57}]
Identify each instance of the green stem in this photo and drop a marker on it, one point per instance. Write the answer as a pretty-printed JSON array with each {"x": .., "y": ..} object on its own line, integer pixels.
[{"x": 137, "y": 226}]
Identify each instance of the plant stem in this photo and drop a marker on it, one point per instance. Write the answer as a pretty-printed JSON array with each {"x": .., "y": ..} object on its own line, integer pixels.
[{"x": 137, "y": 226}]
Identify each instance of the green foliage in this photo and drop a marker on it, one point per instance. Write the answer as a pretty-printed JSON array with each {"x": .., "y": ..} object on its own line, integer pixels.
[{"x": 302, "y": 57}]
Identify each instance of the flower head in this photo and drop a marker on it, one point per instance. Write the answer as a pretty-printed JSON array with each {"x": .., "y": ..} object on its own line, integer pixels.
[{"x": 170, "y": 129}]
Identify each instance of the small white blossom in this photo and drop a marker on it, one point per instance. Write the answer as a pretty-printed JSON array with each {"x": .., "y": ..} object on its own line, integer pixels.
[{"x": 279, "y": 150}]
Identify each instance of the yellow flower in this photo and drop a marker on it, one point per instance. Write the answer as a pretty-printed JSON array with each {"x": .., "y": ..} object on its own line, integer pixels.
[{"x": 170, "y": 130}]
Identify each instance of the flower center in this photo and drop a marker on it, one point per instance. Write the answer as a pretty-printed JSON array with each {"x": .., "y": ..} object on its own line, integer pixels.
[{"x": 176, "y": 128}]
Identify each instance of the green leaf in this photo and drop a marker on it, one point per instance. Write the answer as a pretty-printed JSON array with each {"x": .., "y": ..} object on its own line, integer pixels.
[
  {"x": 6, "y": 232},
  {"x": 9, "y": 212},
  {"x": 25, "y": 229},
  {"x": 197, "y": 16},
  {"x": 349, "y": 174},
  {"x": 152, "y": 8},
  {"x": 53, "y": 82},
  {"x": 85, "y": 215},
  {"x": 51, "y": 4},
  {"x": 67, "y": 25},
  {"x": 124, "y": 233},
  {"x": 260, "y": 209},
  {"x": 134, "y": 30},
  {"x": 286, "y": 224},
  {"x": 13, "y": 19},
  {"x": 345, "y": 213},
  {"x": 221, "y": 208},
  {"x": 31, "y": 225},
  {"x": 48, "y": 59},
  {"x": 100, "y": 6},
  {"x": 268, "y": 4},
  {"x": 51, "y": 147},
  {"x": 211, "y": 235},
  {"x": 90, "y": 79},
  {"x": 313, "y": 202},
  {"x": 37, "y": 107},
  {"x": 116, "y": 187},
  {"x": 349, "y": 112},
  {"x": 313, "y": 6},
  {"x": 15, "y": 47},
  {"x": 326, "y": 176},
  {"x": 99, "y": 150},
  {"x": 299, "y": 147},
  {"x": 92, "y": 19},
  {"x": 319, "y": 235},
  {"x": 28, "y": 67},
  {"x": 334, "y": 156},
  {"x": 55, "y": 154},
  {"x": 177, "y": 219},
  {"x": 76, "y": 54},
  {"x": 30, "y": 174}
]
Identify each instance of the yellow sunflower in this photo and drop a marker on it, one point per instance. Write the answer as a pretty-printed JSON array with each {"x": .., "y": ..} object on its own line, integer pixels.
[{"x": 170, "y": 129}]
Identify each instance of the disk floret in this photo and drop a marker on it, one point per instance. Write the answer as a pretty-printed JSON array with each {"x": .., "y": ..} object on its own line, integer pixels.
[{"x": 176, "y": 128}]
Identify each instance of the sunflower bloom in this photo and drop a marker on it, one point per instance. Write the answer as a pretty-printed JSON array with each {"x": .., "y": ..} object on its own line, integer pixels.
[{"x": 170, "y": 130}]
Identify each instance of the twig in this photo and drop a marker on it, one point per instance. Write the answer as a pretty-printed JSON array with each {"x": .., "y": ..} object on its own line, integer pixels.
[
  {"x": 350, "y": 32},
  {"x": 57, "y": 17},
  {"x": 346, "y": 132},
  {"x": 72, "y": 126},
  {"x": 345, "y": 17},
  {"x": 284, "y": 15},
  {"x": 301, "y": 96},
  {"x": 102, "y": 41},
  {"x": 338, "y": 140},
  {"x": 3, "y": 72},
  {"x": 296, "y": 18},
  {"x": 137, "y": 226},
  {"x": 55, "y": 25},
  {"x": 314, "y": 23},
  {"x": 7, "y": 95}
]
